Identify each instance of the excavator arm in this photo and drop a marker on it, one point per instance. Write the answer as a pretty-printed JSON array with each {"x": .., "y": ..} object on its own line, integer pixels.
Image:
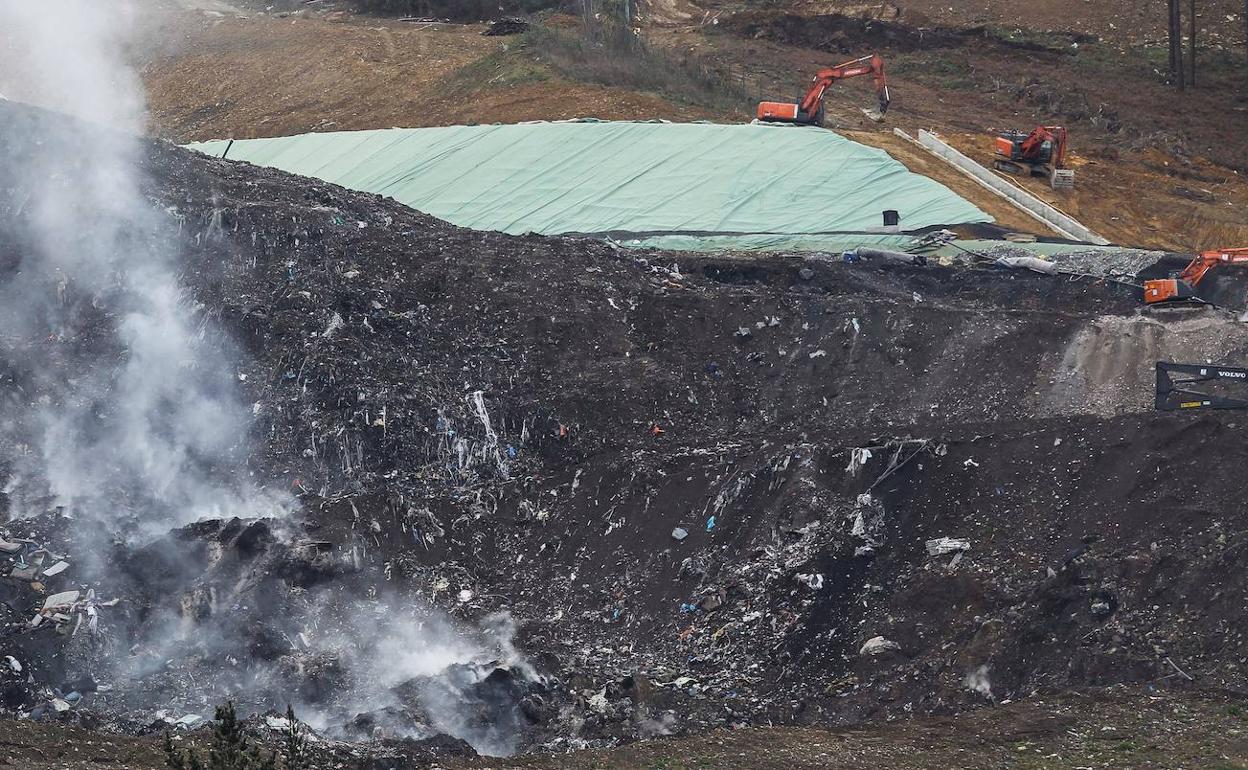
[
  {"x": 1174, "y": 391},
  {"x": 809, "y": 111},
  {"x": 824, "y": 79}
]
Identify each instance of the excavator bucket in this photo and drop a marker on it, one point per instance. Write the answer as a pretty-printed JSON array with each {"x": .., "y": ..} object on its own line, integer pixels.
[{"x": 873, "y": 114}]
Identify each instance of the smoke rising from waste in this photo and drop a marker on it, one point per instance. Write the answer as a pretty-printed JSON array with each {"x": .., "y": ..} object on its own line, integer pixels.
[
  {"x": 119, "y": 400},
  {"x": 131, "y": 413}
]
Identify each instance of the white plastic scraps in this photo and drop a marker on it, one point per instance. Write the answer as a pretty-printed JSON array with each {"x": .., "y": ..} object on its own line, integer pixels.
[
  {"x": 857, "y": 458},
  {"x": 813, "y": 582},
  {"x": 491, "y": 448},
  {"x": 942, "y": 545}
]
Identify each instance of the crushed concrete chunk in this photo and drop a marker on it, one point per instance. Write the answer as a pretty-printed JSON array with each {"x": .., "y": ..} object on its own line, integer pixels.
[{"x": 877, "y": 645}]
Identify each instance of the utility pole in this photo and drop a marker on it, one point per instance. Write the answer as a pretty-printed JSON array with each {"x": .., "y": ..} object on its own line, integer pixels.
[
  {"x": 1192, "y": 42},
  {"x": 1176, "y": 43}
]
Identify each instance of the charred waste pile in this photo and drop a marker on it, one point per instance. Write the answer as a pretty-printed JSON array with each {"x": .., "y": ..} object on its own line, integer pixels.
[{"x": 268, "y": 440}]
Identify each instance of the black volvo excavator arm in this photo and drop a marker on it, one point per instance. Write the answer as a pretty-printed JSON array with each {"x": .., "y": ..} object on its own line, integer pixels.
[{"x": 1173, "y": 393}]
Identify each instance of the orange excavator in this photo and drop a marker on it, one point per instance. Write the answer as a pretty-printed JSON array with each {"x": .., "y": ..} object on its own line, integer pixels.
[
  {"x": 1182, "y": 288},
  {"x": 809, "y": 111},
  {"x": 1040, "y": 153}
]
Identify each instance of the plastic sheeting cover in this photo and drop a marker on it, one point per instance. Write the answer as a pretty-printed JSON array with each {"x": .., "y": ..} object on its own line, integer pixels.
[{"x": 624, "y": 178}]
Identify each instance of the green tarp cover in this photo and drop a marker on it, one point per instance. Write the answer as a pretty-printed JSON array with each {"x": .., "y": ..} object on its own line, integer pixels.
[
  {"x": 834, "y": 244},
  {"x": 628, "y": 179}
]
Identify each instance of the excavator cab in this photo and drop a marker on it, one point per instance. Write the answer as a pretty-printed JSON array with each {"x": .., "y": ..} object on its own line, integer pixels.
[
  {"x": 1169, "y": 291},
  {"x": 1039, "y": 153},
  {"x": 1010, "y": 145},
  {"x": 789, "y": 112}
]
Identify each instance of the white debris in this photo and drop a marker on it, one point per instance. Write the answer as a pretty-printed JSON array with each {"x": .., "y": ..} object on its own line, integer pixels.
[
  {"x": 1029, "y": 263},
  {"x": 465, "y": 596},
  {"x": 813, "y": 582},
  {"x": 598, "y": 701},
  {"x": 858, "y": 457},
  {"x": 942, "y": 545},
  {"x": 877, "y": 645},
  {"x": 970, "y": 463},
  {"x": 14, "y": 664},
  {"x": 819, "y": 354},
  {"x": 335, "y": 323},
  {"x": 63, "y": 599},
  {"x": 56, "y": 569}
]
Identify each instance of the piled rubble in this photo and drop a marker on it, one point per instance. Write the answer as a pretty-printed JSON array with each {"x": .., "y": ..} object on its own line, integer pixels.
[{"x": 553, "y": 494}]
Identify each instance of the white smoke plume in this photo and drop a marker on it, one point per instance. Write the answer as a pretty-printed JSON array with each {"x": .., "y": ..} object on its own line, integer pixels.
[
  {"x": 977, "y": 681},
  {"x": 130, "y": 410},
  {"x": 118, "y": 400}
]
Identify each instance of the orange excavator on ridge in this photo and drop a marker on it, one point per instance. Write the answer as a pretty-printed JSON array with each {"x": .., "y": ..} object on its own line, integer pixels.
[
  {"x": 1182, "y": 288},
  {"x": 809, "y": 111}
]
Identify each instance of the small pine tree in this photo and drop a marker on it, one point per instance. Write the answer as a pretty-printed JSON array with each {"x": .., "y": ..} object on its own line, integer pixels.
[
  {"x": 174, "y": 759},
  {"x": 229, "y": 750},
  {"x": 295, "y": 743}
]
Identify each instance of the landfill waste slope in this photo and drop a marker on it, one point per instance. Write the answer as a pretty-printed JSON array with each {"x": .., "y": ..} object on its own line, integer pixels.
[{"x": 652, "y": 493}]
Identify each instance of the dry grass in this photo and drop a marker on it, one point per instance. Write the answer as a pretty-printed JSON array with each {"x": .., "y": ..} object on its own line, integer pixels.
[{"x": 611, "y": 54}]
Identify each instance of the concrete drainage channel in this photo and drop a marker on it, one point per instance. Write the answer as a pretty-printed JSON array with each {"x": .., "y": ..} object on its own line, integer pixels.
[{"x": 1024, "y": 201}]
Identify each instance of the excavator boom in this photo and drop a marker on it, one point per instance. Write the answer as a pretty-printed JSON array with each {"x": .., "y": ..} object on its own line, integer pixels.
[{"x": 809, "y": 110}]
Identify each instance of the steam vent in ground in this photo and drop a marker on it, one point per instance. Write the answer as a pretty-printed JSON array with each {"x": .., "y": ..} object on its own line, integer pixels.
[{"x": 517, "y": 439}]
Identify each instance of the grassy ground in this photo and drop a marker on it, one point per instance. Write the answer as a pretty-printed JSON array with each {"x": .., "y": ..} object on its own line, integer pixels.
[
  {"x": 1121, "y": 729},
  {"x": 1118, "y": 729}
]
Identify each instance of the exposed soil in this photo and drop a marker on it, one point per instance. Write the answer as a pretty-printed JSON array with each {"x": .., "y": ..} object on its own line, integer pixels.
[
  {"x": 1122, "y": 21},
  {"x": 1118, "y": 729},
  {"x": 276, "y": 76}
]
